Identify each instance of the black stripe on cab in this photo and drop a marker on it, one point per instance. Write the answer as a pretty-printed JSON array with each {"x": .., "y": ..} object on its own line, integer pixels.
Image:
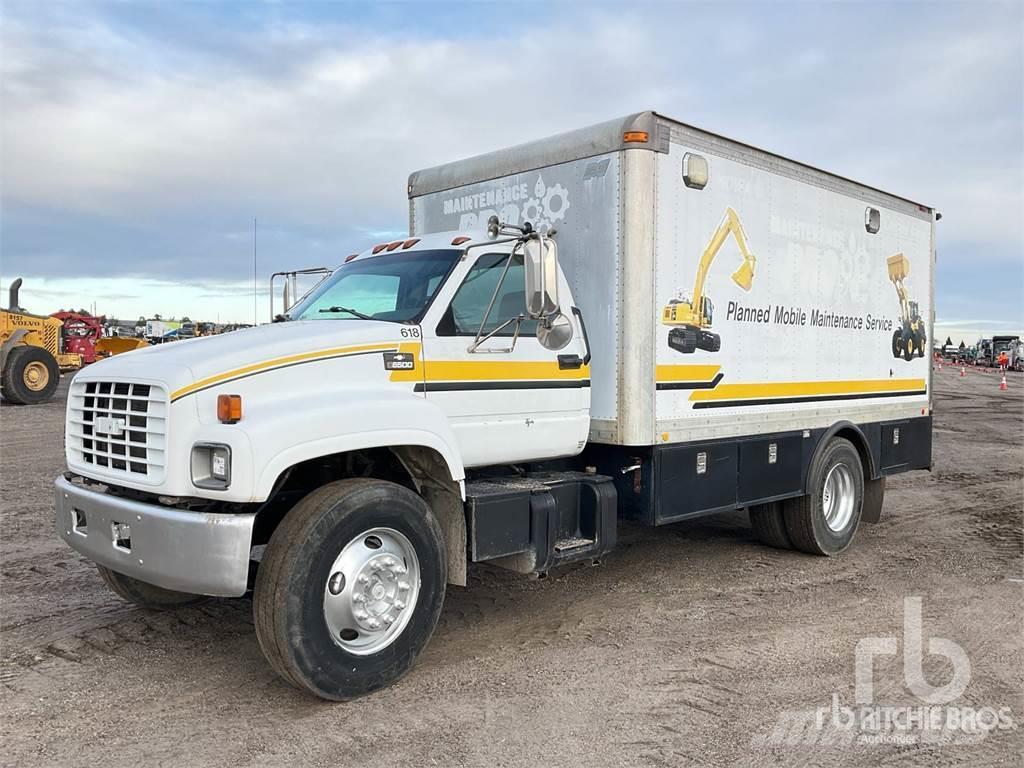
[{"x": 468, "y": 386}]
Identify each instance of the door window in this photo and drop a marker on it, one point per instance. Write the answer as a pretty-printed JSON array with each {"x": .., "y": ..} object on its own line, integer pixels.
[{"x": 483, "y": 282}]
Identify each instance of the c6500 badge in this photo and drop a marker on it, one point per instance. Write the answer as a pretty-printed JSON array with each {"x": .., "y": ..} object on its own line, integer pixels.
[{"x": 399, "y": 361}]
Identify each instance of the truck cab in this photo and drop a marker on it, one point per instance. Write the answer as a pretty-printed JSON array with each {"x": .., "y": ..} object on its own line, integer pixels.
[{"x": 415, "y": 363}]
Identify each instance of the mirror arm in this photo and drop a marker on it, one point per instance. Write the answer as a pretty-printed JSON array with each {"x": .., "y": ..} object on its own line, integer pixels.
[
  {"x": 518, "y": 320},
  {"x": 494, "y": 296},
  {"x": 490, "y": 243},
  {"x": 583, "y": 329}
]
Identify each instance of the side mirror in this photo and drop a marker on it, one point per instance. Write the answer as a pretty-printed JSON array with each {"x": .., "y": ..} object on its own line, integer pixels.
[
  {"x": 540, "y": 258},
  {"x": 554, "y": 332}
]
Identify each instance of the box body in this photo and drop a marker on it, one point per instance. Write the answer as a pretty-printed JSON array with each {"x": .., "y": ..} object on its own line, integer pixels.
[{"x": 804, "y": 334}]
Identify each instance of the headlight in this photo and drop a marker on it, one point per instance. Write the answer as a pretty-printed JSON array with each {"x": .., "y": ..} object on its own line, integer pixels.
[{"x": 211, "y": 466}]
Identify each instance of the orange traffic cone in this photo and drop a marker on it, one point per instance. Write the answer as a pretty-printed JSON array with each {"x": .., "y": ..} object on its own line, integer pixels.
[
  {"x": 963, "y": 371},
  {"x": 1002, "y": 384}
]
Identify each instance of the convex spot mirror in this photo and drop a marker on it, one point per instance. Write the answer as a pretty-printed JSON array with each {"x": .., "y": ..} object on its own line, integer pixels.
[
  {"x": 540, "y": 257},
  {"x": 554, "y": 332}
]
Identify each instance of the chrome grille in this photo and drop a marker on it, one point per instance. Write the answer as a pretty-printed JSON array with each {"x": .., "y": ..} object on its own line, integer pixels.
[{"x": 119, "y": 428}]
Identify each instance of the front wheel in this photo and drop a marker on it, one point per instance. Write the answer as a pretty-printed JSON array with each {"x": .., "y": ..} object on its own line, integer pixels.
[
  {"x": 824, "y": 521},
  {"x": 30, "y": 375},
  {"x": 350, "y": 588}
]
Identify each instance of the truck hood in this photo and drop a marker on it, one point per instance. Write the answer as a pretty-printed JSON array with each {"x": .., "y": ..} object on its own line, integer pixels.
[{"x": 181, "y": 363}]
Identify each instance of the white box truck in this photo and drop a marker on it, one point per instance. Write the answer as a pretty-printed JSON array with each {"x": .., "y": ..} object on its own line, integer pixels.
[{"x": 635, "y": 320}]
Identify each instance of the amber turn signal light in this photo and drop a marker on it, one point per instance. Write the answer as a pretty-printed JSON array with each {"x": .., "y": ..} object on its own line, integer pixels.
[
  {"x": 229, "y": 408},
  {"x": 634, "y": 137}
]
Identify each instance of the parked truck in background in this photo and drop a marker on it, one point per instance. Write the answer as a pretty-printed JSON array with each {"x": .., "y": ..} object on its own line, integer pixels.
[
  {"x": 156, "y": 330},
  {"x": 506, "y": 383},
  {"x": 1001, "y": 344}
]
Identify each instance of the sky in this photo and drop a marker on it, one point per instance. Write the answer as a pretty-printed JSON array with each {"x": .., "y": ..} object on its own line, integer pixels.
[{"x": 141, "y": 140}]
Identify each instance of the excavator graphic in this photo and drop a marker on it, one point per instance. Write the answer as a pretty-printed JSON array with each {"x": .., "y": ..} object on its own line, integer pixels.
[
  {"x": 909, "y": 340},
  {"x": 691, "y": 318}
]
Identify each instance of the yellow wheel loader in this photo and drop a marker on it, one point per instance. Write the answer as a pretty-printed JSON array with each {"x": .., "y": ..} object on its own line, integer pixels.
[
  {"x": 908, "y": 341},
  {"x": 692, "y": 317},
  {"x": 30, "y": 354}
]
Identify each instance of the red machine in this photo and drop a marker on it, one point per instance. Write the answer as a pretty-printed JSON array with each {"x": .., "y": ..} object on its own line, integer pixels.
[{"x": 80, "y": 334}]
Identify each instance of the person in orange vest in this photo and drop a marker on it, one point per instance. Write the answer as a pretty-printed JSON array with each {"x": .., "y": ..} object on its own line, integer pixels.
[{"x": 1004, "y": 360}]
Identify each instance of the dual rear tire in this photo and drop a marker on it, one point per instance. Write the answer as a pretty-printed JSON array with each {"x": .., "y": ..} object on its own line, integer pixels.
[{"x": 825, "y": 520}]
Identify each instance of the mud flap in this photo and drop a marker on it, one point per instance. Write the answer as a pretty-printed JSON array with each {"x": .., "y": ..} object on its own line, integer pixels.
[{"x": 874, "y": 495}]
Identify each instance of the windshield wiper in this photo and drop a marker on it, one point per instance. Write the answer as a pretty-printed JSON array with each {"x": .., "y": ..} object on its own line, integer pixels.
[{"x": 354, "y": 312}]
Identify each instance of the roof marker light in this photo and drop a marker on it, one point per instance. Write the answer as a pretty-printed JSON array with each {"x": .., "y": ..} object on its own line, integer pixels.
[
  {"x": 461, "y": 239},
  {"x": 635, "y": 137},
  {"x": 349, "y": 258},
  {"x": 393, "y": 246},
  {"x": 410, "y": 242},
  {"x": 378, "y": 248}
]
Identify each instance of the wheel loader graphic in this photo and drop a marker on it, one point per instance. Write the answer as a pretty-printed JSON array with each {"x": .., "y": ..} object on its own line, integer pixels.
[
  {"x": 908, "y": 341},
  {"x": 692, "y": 317}
]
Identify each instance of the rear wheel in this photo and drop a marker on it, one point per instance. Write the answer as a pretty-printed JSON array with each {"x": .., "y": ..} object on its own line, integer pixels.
[
  {"x": 350, "y": 588},
  {"x": 30, "y": 375},
  {"x": 825, "y": 520},
  {"x": 146, "y": 595},
  {"x": 769, "y": 525},
  {"x": 896, "y": 339}
]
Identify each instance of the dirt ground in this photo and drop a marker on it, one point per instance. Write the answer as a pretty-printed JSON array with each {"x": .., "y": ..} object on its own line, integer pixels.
[{"x": 692, "y": 644}]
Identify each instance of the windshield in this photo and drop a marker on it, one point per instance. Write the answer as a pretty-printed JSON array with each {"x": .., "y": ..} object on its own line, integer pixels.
[{"x": 394, "y": 286}]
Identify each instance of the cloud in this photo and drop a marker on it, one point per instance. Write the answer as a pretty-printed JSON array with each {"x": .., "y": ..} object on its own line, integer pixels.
[{"x": 146, "y": 143}]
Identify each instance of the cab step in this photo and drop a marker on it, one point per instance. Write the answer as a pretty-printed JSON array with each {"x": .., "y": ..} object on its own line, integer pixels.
[{"x": 532, "y": 523}]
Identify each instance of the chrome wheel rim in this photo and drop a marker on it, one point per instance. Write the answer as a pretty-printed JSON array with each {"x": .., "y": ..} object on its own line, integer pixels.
[
  {"x": 371, "y": 591},
  {"x": 838, "y": 497}
]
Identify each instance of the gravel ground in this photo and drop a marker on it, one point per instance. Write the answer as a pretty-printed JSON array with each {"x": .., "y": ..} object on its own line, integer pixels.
[{"x": 690, "y": 645}]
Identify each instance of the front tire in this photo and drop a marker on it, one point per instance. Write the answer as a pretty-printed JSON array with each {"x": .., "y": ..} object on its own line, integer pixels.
[
  {"x": 148, "y": 596},
  {"x": 30, "y": 375},
  {"x": 824, "y": 521},
  {"x": 350, "y": 588}
]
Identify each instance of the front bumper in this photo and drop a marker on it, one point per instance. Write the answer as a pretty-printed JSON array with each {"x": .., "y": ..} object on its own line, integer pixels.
[{"x": 195, "y": 552}]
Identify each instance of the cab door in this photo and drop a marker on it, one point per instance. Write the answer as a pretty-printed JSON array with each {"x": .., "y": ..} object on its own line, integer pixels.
[{"x": 508, "y": 399}]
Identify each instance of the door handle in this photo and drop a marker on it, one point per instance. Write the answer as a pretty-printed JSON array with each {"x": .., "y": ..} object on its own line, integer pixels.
[{"x": 566, "y": 362}]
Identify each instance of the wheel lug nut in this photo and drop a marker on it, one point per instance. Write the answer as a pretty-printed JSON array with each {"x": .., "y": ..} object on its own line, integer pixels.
[
  {"x": 363, "y": 579},
  {"x": 374, "y": 623},
  {"x": 404, "y": 586},
  {"x": 360, "y": 615},
  {"x": 399, "y": 604},
  {"x": 358, "y": 597},
  {"x": 388, "y": 619}
]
